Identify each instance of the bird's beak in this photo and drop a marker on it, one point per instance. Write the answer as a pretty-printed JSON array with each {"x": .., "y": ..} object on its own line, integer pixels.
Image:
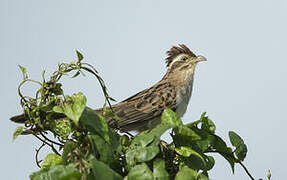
[{"x": 200, "y": 58}]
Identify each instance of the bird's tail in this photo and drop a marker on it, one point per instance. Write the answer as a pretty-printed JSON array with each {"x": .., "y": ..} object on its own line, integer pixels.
[{"x": 22, "y": 118}]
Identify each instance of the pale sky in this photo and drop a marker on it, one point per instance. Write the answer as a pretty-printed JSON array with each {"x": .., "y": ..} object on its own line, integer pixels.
[{"x": 242, "y": 86}]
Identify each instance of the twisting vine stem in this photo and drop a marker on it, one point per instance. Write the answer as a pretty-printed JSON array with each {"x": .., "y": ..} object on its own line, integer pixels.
[
  {"x": 236, "y": 160},
  {"x": 51, "y": 145},
  {"x": 53, "y": 142},
  {"x": 50, "y": 93},
  {"x": 37, "y": 154}
]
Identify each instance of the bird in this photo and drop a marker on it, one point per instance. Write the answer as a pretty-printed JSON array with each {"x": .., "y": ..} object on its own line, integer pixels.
[{"x": 143, "y": 110}]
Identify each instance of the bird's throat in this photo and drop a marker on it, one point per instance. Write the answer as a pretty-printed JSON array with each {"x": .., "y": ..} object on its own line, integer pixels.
[{"x": 184, "y": 92}]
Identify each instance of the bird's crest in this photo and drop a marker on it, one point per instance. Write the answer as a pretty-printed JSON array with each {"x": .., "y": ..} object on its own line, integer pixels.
[{"x": 177, "y": 50}]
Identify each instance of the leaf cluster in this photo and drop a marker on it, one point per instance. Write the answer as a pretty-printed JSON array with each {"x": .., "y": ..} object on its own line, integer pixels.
[{"x": 84, "y": 147}]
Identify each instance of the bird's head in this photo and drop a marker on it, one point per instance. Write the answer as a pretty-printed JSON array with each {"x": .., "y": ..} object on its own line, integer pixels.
[{"x": 181, "y": 58}]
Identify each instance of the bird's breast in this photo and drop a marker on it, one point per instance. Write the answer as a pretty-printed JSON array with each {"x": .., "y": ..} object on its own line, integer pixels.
[{"x": 183, "y": 96}]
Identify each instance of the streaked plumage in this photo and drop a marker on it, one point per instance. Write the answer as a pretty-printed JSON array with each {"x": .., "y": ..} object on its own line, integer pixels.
[{"x": 143, "y": 110}]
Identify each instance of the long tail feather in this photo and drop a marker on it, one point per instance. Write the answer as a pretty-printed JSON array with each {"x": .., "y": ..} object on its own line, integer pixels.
[{"x": 19, "y": 118}]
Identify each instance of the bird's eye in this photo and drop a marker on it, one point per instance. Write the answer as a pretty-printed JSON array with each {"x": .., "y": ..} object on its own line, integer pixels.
[{"x": 184, "y": 58}]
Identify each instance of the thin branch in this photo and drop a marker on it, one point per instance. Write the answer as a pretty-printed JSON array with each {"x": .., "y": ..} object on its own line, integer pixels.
[
  {"x": 246, "y": 170},
  {"x": 37, "y": 153},
  {"x": 236, "y": 160},
  {"x": 102, "y": 85},
  {"x": 24, "y": 81},
  {"x": 41, "y": 139},
  {"x": 51, "y": 145},
  {"x": 45, "y": 137}
]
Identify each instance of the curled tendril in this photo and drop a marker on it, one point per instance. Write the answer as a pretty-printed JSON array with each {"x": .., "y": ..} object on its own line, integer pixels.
[
  {"x": 37, "y": 154},
  {"x": 38, "y": 124}
]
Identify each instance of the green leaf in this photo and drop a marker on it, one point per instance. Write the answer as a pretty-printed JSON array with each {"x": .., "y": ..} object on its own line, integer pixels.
[
  {"x": 51, "y": 160},
  {"x": 187, "y": 151},
  {"x": 185, "y": 131},
  {"x": 140, "y": 172},
  {"x": 144, "y": 154},
  {"x": 220, "y": 145},
  {"x": 204, "y": 144},
  {"x": 103, "y": 171},
  {"x": 114, "y": 139},
  {"x": 157, "y": 132},
  {"x": 202, "y": 177},
  {"x": 125, "y": 140},
  {"x": 241, "y": 152},
  {"x": 95, "y": 123},
  {"x": 80, "y": 56},
  {"x": 202, "y": 116},
  {"x": 102, "y": 148},
  {"x": 58, "y": 109},
  {"x": 207, "y": 124},
  {"x": 17, "y": 132},
  {"x": 144, "y": 146},
  {"x": 230, "y": 160},
  {"x": 24, "y": 71},
  {"x": 150, "y": 136},
  {"x": 209, "y": 162},
  {"x": 184, "y": 136},
  {"x": 141, "y": 154},
  {"x": 159, "y": 171},
  {"x": 186, "y": 173},
  {"x": 235, "y": 139},
  {"x": 142, "y": 139},
  {"x": 193, "y": 124},
  {"x": 73, "y": 109},
  {"x": 58, "y": 172},
  {"x": 171, "y": 118},
  {"x": 193, "y": 162}
]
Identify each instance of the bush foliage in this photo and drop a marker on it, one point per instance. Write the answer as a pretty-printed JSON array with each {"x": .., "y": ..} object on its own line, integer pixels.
[{"x": 84, "y": 147}]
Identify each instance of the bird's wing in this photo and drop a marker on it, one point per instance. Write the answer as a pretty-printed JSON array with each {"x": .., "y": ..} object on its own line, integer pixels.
[{"x": 144, "y": 106}]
